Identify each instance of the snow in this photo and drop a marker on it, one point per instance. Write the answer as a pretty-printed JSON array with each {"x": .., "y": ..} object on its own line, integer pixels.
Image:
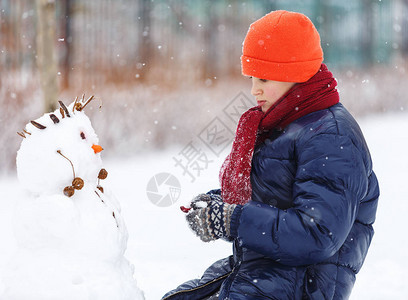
[
  {"x": 166, "y": 253},
  {"x": 383, "y": 274}
]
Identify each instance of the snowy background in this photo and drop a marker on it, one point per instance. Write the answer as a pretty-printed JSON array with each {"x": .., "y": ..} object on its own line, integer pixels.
[{"x": 165, "y": 253}]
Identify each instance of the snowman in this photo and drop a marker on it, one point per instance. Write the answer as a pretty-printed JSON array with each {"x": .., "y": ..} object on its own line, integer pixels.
[{"x": 70, "y": 234}]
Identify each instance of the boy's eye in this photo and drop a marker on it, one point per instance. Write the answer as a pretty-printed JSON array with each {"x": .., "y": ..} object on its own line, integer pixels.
[
  {"x": 82, "y": 135},
  {"x": 263, "y": 80}
]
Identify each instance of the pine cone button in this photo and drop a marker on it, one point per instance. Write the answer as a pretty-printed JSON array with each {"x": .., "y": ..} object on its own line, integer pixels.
[
  {"x": 77, "y": 183},
  {"x": 69, "y": 191}
]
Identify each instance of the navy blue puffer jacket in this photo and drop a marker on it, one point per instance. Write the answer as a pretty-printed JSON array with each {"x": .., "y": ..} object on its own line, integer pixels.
[{"x": 308, "y": 227}]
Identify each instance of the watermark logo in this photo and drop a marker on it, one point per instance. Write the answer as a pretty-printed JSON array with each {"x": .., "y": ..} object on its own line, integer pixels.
[
  {"x": 192, "y": 161},
  {"x": 163, "y": 189},
  {"x": 240, "y": 104},
  {"x": 216, "y": 136},
  {"x": 196, "y": 156}
]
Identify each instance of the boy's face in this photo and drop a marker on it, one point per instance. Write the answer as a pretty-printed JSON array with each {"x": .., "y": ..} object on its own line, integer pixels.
[{"x": 267, "y": 92}]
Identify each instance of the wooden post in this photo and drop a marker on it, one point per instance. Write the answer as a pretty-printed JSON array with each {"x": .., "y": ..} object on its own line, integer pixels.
[
  {"x": 66, "y": 34},
  {"x": 404, "y": 28},
  {"x": 46, "y": 58},
  {"x": 209, "y": 61},
  {"x": 145, "y": 48}
]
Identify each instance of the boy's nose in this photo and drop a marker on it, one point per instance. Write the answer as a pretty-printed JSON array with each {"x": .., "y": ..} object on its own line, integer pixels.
[{"x": 255, "y": 90}]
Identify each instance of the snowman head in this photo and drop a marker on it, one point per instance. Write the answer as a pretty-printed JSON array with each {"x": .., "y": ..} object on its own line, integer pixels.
[{"x": 57, "y": 148}]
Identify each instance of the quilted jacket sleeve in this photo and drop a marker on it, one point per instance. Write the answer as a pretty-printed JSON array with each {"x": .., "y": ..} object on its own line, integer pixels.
[{"x": 329, "y": 183}]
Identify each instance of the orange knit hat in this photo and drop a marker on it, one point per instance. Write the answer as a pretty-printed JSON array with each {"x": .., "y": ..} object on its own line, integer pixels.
[{"x": 282, "y": 46}]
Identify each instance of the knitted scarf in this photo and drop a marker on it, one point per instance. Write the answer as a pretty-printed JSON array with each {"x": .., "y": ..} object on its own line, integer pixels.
[{"x": 318, "y": 93}]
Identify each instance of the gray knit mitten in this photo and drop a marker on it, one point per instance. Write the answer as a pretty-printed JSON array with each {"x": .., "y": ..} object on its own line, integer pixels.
[{"x": 210, "y": 218}]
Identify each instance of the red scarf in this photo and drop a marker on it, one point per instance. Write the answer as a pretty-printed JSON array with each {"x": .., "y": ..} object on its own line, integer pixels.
[{"x": 318, "y": 93}]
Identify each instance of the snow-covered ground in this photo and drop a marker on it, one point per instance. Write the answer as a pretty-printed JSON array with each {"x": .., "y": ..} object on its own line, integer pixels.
[{"x": 165, "y": 253}]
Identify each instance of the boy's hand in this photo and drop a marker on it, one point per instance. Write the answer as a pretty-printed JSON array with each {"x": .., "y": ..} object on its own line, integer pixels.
[{"x": 210, "y": 217}]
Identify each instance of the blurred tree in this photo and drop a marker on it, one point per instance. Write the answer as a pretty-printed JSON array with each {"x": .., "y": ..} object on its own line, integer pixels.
[
  {"x": 174, "y": 39},
  {"x": 46, "y": 59},
  {"x": 367, "y": 41},
  {"x": 322, "y": 19},
  {"x": 66, "y": 34},
  {"x": 145, "y": 48},
  {"x": 209, "y": 62},
  {"x": 404, "y": 28}
]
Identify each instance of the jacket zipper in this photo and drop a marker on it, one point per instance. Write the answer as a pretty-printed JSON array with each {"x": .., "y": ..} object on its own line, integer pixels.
[
  {"x": 233, "y": 274},
  {"x": 198, "y": 287}
]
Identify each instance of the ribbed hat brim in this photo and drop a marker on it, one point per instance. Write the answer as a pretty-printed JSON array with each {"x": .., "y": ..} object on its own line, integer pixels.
[{"x": 280, "y": 71}]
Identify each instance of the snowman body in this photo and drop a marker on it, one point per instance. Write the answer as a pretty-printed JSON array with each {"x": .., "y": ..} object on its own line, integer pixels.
[{"x": 69, "y": 247}]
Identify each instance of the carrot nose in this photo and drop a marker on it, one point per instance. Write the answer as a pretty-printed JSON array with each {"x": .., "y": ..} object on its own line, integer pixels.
[{"x": 97, "y": 148}]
